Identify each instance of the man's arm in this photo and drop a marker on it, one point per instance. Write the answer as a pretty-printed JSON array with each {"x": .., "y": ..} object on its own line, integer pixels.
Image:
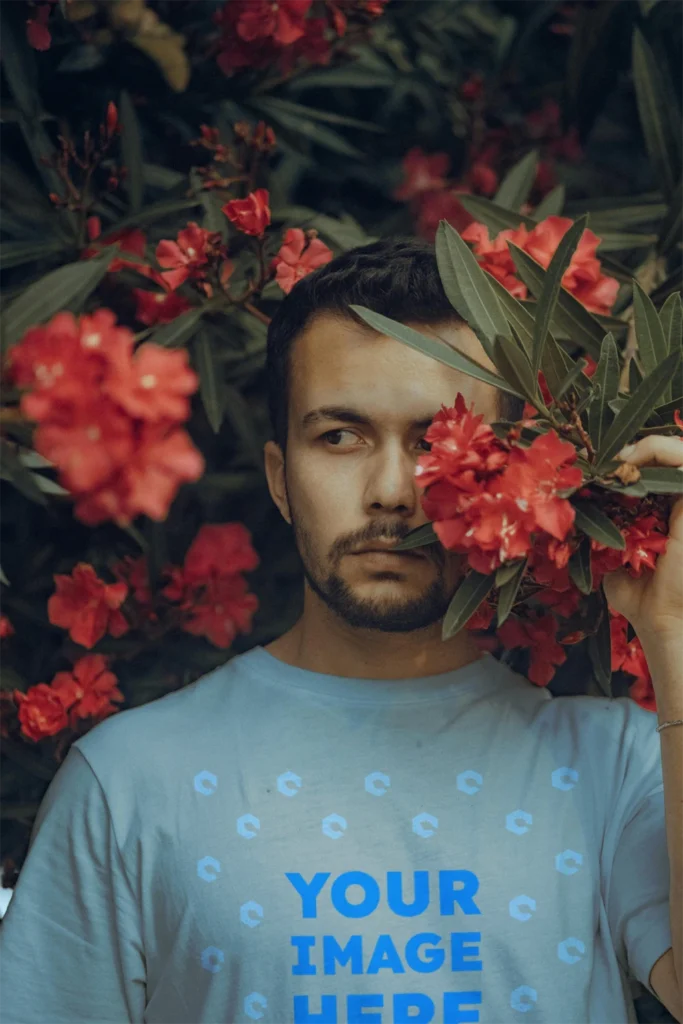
[
  {"x": 665, "y": 661},
  {"x": 71, "y": 950}
]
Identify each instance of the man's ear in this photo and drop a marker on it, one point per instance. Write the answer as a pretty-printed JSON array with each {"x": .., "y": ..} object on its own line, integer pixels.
[{"x": 274, "y": 462}]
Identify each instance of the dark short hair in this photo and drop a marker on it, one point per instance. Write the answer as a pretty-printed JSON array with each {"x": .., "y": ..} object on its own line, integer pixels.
[{"x": 397, "y": 277}]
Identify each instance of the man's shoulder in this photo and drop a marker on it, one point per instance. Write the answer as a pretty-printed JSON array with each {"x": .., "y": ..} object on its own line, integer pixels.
[
  {"x": 165, "y": 726},
  {"x": 618, "y": 723}
]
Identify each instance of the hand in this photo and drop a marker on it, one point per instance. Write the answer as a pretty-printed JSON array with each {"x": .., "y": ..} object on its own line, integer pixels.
[{"x": 653, "y": 604}]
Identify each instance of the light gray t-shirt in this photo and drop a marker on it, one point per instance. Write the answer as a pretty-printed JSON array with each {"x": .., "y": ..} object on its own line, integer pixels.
[{"x": 272, "y": 844}]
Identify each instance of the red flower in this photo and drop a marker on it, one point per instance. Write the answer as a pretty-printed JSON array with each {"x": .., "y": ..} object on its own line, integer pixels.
[
  {"x": 41, "y": 712},
  {"x": 158, "y": 307},
  {"x": 583, "y": 277},
  {"x": 423, "y": 172},
  {"x": 87, "y": 443},
  {"x": 37, "y": 32},
  {"x": 473, "y": 87},
  {"x": 164, "y": 459},
  {"x": 645, "y": 538},
  {"x": 88, "y": 690},
  {"x": 281, "y": 20},
  {"x": 464, "y": 449},
  {"x": 128, "y": 240},
  {"x": 112, "y": 120},
  {"x": 223, "y": 608},
  {"x": 313, "y": 47},
  {"x": 539, "y": 636},
  {"x": 628, "y": 656},
  {"x": 483, "y": 617},
  {"x": 87, "y": 606},
  {"x": 219, "y": 549},
  {"x": 6, "y": 628},
  {"x": 154, "y": 385},
  {"x": 185, "y": 256},
  {"x": 536, "y": 475},
  {"x": 295, "y": 259},
  {"x": 250, "y": 215},
  {"x": 482, "y": 178}
]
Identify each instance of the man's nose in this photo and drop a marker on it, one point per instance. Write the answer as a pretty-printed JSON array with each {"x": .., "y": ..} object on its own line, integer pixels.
[{"x": 391, "y": 485}]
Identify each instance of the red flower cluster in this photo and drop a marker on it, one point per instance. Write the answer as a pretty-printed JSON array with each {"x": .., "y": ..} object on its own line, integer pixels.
[
  {"x": 300, "y": 253},
  {"x": 37, "y": 32},
  {"x": 583, "y": 277},
  {"x": 488, "y": 499},
  {"x": 6, "y": 628},
  {"x": 108, "y": 417},
  {"x": 210, "y": 588},
  {"x": 87, "y": 691},
  {"x": 628, "y": 656},
  {"x": 87, "y": 606},
  {"x": 496, "y": 502}
]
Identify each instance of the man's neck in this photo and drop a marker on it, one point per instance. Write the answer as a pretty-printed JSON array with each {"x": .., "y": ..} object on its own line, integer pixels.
[{"x": 322, "y": 642}]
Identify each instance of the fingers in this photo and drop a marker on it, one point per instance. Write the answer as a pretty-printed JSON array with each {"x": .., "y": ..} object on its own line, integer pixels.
[{"x": 657, "y": 449}]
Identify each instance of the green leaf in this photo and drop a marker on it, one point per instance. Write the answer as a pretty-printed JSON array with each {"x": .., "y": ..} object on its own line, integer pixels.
[
  {"x": 659, "y": 122},
  {"x": 671, "y": 318},
  {"x": 239, "y": 414},
  {"x": 580, "y": 567},
  {"x": 671, "y": 228},
  {"x": 433, "y": 347},
  {"x": 300, "y": 110},
  {"x": 569, "y": 315},
  {"x": 419, "y": 538},
  {"x": 606, "y": 378},
  {"x": 12, "y": 470},
  {"x": 551, "y": 205},
  {"x": 617, "y": 241},
  {"x": 307, "y": 127},
  {"x": 209, "y": 385},
  {"x": 178, "y": 331},
  {"x": 515, "y": 187},
  {"x": 552, "y": 282},
  {"x": 65, "y": 288},
  {"x": 637, "y": 409},
  {"x": 469, "y": 595},
  {"x": 516, "y": 368},
  {"x": 496, "y": 218},
  {"x": 16, "y": 254},
  {"x": 600, "y": 647},
  {"x": 662, "y": 479},
  {"x": 652, "y": 343},
  {"x": 666, "y": 412},
  {"x": 131, "y": 151},
  {"x": 590, "y": 520},
  {"x": 468, "y": 288},
  {"x": 508, "y": 591},
  {"x": 517, "y": 315},
  {"x": 571, "y": 378}
]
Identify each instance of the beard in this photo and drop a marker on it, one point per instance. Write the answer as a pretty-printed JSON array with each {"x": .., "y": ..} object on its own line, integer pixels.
[{"x": 387, "y": 615}]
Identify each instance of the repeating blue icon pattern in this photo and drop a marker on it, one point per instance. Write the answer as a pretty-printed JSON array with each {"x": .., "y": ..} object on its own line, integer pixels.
[{"x": 424, "y": 825}]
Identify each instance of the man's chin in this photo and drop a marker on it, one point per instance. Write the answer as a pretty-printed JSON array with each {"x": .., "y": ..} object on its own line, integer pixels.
[{"x": 387, "y": 614}]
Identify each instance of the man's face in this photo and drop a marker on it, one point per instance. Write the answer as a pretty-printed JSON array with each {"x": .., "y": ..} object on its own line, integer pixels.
[{"x": 359, "y": 406}]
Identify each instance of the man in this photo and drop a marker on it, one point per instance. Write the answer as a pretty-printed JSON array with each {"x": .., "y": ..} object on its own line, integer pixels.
[{"x": 358, "y": 822}]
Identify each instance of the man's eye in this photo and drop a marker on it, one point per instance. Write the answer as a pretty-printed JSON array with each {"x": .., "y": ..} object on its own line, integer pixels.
[{"x": 332, "y": 434}]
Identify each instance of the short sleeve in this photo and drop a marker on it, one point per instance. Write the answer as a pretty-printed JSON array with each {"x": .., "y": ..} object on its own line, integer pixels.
[
  {"x": 638, "y": 880},
  {"x": 70, "y": 942}
]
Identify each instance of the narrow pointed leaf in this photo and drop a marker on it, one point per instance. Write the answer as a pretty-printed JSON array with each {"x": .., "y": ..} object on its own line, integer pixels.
[
  {"x": 517, "y": 315},
  {"x": 600, "y": 648},
  {"x": 551, "y": 205},
  {"x": 572, "y": 377},
  {"x": 469, "y": 595},
  {"x": 178, "y": 331},
  {"x": 637, "y": 409},
  {"x": 508, "y": 592},
  {"x": 209, "y": 385},
  {"x": 506, "y": 571},
  {"x": 419, "y": 538},
  {"x": 666, "y": 412},
  {"x": 652, "y": 344},
  {"x": 65, "y": 288},
  {"x": 468, "y": 288},
  {"x": 569, "y": 316},
  {"x": 433, "y": 347},
  {"x": 590, "y": 520},
  {"x": 658, "y": 121},
  {"x": 515, "y": 187},
  {"x": 131, "y": 150},
  {"x": 606, "y": 378},
  {"x": 552, "y": 282},
  {"x": 671, "y": 318},
  {"x": 496, "y": 218},
  {"x": 662, "y": 479},
  {"x": 516, "y": 368},
  {"x": 580, "y": 567}
]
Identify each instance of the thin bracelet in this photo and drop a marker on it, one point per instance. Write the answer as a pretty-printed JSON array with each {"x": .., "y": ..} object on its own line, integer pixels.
[{"x": 678, "y": 721}]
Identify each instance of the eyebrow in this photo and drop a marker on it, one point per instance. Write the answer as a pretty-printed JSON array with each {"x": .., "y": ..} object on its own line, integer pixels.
[{"x": 346, "y": 415}]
